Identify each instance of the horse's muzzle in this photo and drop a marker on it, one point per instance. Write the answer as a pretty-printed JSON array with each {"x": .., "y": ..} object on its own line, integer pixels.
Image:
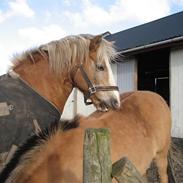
[
  {"x": 104, "y": 106},
  {"x": 114, "y": 103}
]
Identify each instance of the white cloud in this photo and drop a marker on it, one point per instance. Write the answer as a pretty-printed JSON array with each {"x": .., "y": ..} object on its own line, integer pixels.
[
  {"x": 68, "y": 2},
  {"x": 6, "y": 51},
  {"x": 1, "y": 16},
  {"x": 141, "y": 10},
  {"x": 93, "y": 16},
  {"x": 20, "y": 7},
  {"x": 37, "y": 35},
  {"x": 16, "y": 8},
  {"x": 27, "y": 38}
]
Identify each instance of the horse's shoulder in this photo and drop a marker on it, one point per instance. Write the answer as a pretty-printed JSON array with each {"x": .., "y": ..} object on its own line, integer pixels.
[
  {"x": 125, "y": 95},
  {"x": 139, "y": 95},
  {"x": 141, "y": 100}
]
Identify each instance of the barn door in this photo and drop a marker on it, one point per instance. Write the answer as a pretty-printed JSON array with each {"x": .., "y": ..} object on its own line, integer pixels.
[{"x": 153, "y": 72}]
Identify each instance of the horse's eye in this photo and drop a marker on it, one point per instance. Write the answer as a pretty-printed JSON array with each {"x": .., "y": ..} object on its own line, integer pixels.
[{"x": 100, "y": 67}]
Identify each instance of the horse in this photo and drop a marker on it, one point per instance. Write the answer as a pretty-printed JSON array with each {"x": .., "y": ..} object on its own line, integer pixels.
[
  {"x": 140, "y": 130},
  {"x": 41, "y": 79}
]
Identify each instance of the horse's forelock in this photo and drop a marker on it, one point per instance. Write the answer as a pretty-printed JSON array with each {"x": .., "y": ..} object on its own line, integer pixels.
[{"x": 106, "y": 51}]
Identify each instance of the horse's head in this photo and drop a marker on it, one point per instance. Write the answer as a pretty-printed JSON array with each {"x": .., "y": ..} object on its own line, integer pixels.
[
  {"x": 94, "y": 77},
  {"x": 84, "y": 62}
]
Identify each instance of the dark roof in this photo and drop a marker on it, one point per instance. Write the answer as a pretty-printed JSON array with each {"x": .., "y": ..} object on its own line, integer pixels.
[{"x": 152, "y": 32}]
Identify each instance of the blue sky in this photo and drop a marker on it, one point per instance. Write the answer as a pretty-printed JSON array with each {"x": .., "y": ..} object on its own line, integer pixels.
[{"x": 28, "y": 23}]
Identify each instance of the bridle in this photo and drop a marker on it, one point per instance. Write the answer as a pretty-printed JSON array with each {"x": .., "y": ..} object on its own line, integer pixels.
[{"x": 92, "y": 89}]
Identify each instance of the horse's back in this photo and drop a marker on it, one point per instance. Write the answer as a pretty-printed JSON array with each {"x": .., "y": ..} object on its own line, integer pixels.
[
  {"x": 152, "y": 110},
  {"x": 145, "y": 104}
]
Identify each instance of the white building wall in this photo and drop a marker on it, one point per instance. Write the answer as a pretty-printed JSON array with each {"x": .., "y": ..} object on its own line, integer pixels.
[
  {"x": 176, "y": 91},
  {"x": 127, "y": 75},
  {"x": 114, "y": 70},
  {"x": 81, "y": 107},
  {"x": 69, "y": 108}
]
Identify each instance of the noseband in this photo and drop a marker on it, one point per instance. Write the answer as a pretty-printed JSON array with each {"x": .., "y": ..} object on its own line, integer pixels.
[{"x": 92, "y": 89}]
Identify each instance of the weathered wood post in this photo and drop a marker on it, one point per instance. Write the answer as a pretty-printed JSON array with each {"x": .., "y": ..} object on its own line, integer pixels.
[
  {"x": 97, "y": 164},
  {"x": 125, "y": 172}
]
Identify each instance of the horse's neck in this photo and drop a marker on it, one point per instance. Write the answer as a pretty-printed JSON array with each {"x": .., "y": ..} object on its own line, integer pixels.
[{"x": 55, "y": 89}]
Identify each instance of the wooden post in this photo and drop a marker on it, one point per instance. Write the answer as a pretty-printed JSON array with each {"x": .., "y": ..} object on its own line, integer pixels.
[
  {"x": 97, "y": 164},
  {"x": 125, "y": 172}
]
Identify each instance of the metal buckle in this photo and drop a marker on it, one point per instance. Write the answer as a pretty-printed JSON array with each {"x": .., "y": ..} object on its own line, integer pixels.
[{"x": 92, "y": 90}]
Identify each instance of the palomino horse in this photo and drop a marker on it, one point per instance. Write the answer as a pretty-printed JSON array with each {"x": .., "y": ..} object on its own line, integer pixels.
[
  {"x": 140, "y": 130},
  {"x": 49, "y": 73}
]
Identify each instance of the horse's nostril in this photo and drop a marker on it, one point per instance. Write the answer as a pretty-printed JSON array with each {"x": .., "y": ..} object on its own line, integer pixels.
[{"x": 115, "y": 104}]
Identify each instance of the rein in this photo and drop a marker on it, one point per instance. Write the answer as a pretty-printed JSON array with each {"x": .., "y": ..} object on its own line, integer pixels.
[{"x": 92, "y": 89}]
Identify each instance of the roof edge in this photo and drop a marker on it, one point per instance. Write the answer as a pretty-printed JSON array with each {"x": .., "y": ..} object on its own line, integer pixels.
[{"x": 172, "y": 40}]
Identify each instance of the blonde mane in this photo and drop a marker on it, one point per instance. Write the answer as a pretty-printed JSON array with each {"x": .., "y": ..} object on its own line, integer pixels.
[{"x": 64, "y": 53}]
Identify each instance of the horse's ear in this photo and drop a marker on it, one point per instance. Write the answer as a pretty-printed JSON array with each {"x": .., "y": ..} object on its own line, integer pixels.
[{"x": 95, "y": 42}]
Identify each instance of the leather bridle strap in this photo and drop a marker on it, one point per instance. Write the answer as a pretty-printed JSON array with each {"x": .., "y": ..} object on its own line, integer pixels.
[
  {"x": 86, "y": 78},
  {"x": 92, "y": 89}
]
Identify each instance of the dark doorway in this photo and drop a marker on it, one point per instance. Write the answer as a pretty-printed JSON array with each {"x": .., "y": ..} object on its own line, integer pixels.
[{"x": 153, "y": 72}]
